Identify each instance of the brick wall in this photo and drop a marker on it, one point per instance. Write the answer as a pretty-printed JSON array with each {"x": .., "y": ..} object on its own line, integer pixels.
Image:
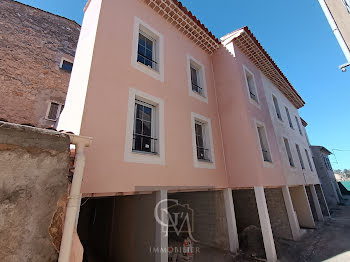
[
  {"x": 278, "y": 213},
  {"x": 33, "y": 178},
  {"x": 32, "y": 43}
]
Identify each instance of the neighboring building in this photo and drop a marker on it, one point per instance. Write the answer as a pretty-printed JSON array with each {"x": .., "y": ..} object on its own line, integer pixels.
[
  {"x": 178, "y": 116},
  {"x": 325, "y": 173},
  {"x": 36, "y": 56},
  {"x": 337, "y": 13}
]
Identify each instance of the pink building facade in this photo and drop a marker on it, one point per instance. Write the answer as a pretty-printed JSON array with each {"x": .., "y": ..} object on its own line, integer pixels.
[{"x": 176, "y": 114}]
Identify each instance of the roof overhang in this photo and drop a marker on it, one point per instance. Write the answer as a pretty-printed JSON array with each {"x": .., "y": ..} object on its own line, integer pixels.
[
  {"x": 178, "y": 15},
  {"x": 323, "y": 149},
  {"x": 303, "y": 122},
  {"x": 244, "y": 39}
]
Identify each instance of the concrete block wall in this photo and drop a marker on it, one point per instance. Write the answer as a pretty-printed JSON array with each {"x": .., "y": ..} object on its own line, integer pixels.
[
  {"x": 311, "y": 202},
  {"x": 245, "y": 209},
  {"x": 210, "y": 224},
  {"x": 278, "y": 213},
  {"x": 34, "y": 165}
]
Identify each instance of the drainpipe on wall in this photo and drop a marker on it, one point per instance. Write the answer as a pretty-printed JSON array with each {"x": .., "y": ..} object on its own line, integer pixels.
[
  {"x": 73, "y": 205},
  {"x": 337, "y": 34}
]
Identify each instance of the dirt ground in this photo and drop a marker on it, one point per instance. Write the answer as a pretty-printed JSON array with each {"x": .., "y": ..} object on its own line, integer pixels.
[{"x": 329, "y": 242}]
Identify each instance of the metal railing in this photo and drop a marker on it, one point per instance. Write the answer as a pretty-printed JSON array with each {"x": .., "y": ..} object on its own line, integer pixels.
[
  {"x": 197, "y": 89},
  {"x": 148, "y": 59},
  {"x": 203, "y": 154},
  {"x": 146, "y": 144}
]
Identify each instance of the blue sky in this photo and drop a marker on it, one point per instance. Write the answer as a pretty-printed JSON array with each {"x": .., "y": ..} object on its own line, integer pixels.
[{"x": 297, "y": 36}]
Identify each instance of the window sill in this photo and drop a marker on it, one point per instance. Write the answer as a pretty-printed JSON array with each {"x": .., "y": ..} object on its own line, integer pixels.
[
  {"x": 198, "y": 96},
  {"x": 47, "y": 119},
  {"x": 205, "y": 161},
  {"x": 144, "y": 153},
  {"x": 268, "y": 164},
  {"x": 254, "y": 102}
]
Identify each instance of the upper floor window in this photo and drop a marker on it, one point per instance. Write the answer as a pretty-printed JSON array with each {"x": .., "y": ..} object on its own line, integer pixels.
[
  {"x": 144, "y": 141},
  {"x": 196, "y": 76},
  {"x": 54, "y": 110},
  {"x": 308, "y": 160},
  {"x": 347, "y": 4},
  {"x": 147, "y": 50},
  {"x": 202, "y": 142},
  {"x": 66, "y": 65},
  {"x": 250, "y": 81},
  {"x": 277, "y": 108},
  {"x": 300, "y": 157},
  {"x": 144, "y": 136},
  {"x": 327, "y": 163},
  {"x": 264, "y": 144},
  {"x": 289, "y": 119},
  {"x": 289, "y": 153},
  {"x": 298, "y": 124}
]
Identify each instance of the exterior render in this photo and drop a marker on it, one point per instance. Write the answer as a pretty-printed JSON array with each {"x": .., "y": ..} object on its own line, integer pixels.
[{"x": 182, "y": 120}]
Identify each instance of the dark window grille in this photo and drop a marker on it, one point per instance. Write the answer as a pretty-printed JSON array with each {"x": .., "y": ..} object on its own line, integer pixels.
[
  {"x": 67, "y": 66},
  {"x": 54, "y": 107},
  {"x": 277, "y": 108},
  {"x": 195, "y": 81},
  {"x": 145, "y": 52},
  {"x": 143, "y": 139},
  {"x": 202, "y": 151},
  {"x": 265, "y": 152},
  {"x": 289, "y": 119}
]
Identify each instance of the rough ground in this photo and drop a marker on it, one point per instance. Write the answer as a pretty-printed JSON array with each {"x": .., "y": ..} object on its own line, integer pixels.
[{"x": 330, "y": 242}]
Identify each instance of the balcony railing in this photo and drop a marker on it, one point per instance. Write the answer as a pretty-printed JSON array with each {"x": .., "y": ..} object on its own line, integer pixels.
[
  {"x": 197, "y": 89},
  {"x": 151, "y": 63},
  {"x": 203, "y": 154}
]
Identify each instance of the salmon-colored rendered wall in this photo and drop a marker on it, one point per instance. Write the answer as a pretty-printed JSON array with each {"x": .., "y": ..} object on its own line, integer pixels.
[
  {"x": 106, "y": 107},
  {"x": 244, "y": 163}
]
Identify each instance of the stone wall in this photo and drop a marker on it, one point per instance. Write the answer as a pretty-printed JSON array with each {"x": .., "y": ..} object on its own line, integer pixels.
[
  {"x": 32, "y": 44},
  {"x": 209, "y": 220},
  {"x": 278, "y": 213},
  {"x": 34, "y": 166}
]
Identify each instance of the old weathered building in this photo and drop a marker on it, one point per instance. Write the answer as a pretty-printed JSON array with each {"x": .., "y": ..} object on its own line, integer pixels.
[{"x": 36, "y": 54}]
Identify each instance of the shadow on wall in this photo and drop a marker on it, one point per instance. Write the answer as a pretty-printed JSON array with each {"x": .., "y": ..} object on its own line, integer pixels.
[{"x": 343, "y": 189}]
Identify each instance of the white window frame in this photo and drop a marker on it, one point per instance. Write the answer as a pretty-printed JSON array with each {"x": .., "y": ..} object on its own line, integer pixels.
[
  {"x": 158, "y": 52},
  {"x": 208, "y": 140},
  {"x": 300, "y": 156},
  {"x": 289, "y": 152},
  {"x": 290, "y": 122},
  {"x": 60, "y": 105},
  {"x": 253, "y": 101},
  {"x": 139, "y": 156},
  {"x": 202, "y": 79},
  {"x": 297, "y": 119},
  {"x": 309, "y": 160},
  {"x": 265, "y": 162},
  {"x": 277, "y": 107}
]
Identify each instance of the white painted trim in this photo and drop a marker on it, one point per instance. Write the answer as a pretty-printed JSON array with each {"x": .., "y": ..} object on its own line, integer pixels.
[
  {"x": 139, "y": 157},
  {"x": 208, "y": 132},
  {"x": 202, "y": 79},
  {"x": 265, "y": 224},
  {"x": 257, "y": 123},
  {"x": 231, "y": 220},
  {"x": 65, "y": 58},
  {"x": 58, "y": 111},
  {"x": 256, "y": 103},
  {"x": 159, "y": 75}
]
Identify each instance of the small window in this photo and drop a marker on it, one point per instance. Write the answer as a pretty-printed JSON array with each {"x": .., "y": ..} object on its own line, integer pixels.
[
  {"x": 203, "y": 152},
  {"x": 289, "y": 119},
  {"x": 146, "y": 52},
  {"x": 308, "y": 160},
  {"x": 54, "y": 110},
  {"x": 67, "y": 66},
  {"x": 144, "y": 137},
  {"x": 298, "y": 124},
  {"x": 300, "y": 157},
  {"x": 289, "y": 153},
  {"x": 250, "y": 81},
  {"x": 202, "y": 142},
  {"x": 277, "y": 108},
  {"x": 195, "y": 80},
  {"x": 327, "y": 163},
  {"x": 264, "y": 144}
]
